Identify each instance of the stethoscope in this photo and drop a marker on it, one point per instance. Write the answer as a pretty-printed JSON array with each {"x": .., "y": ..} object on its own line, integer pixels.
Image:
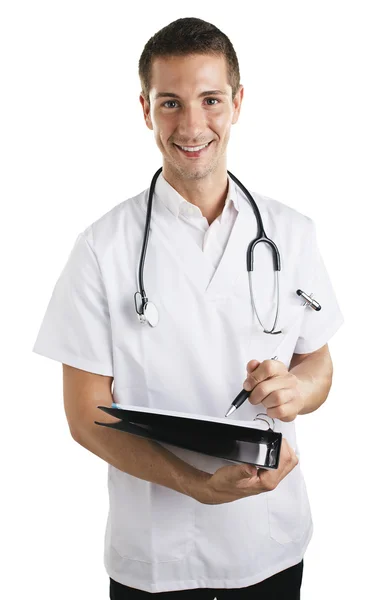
[{"x": 147, "y": 311}]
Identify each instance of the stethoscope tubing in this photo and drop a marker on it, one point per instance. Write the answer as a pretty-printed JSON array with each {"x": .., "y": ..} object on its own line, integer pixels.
[
  {"x": 261, "y": 237},
  {"x": 146, "y": 234}
]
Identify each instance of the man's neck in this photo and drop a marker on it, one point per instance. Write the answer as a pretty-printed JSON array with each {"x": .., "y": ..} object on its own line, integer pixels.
[{"x": 208, "y": 193}]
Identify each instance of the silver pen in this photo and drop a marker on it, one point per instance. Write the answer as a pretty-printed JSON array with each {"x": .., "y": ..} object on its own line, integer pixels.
[{"x": 240, "y": 399}]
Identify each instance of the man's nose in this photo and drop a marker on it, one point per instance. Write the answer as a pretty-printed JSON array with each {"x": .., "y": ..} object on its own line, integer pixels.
[{"x": 191, "y": 123}]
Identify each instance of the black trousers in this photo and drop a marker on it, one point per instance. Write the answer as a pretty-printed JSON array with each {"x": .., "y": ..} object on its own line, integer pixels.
[{"x": 282, "y": 586}]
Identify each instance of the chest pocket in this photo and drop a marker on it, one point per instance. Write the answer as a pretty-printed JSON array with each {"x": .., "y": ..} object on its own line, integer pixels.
[
  {"x": 291, "y": 314},
  {"x": 291, "y": 310}
]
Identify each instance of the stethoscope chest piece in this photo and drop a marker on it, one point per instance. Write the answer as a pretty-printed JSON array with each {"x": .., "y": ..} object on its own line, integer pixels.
[
  {"x": 150, "y": 314},
  {"x": 146, "y": 311}
]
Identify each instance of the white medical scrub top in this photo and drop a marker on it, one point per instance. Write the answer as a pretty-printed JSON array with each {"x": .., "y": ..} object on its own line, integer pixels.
[{"x": 194, "y": 361}]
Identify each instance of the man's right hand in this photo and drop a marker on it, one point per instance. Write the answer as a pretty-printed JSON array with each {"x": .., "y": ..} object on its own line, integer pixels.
[{"x": 240, "y": 481}]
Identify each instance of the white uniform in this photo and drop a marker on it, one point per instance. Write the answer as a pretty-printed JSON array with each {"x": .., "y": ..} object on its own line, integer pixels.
[{"x": 194, "y": 361}]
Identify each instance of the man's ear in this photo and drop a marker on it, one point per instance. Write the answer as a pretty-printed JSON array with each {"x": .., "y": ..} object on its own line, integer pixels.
[
  {"x": 237, "y": 104},
  {"x": 146, "y": 111}
]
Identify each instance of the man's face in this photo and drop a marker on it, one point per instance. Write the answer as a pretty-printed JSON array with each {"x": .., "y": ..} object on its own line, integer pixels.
[{"x": 191, "y": 105}]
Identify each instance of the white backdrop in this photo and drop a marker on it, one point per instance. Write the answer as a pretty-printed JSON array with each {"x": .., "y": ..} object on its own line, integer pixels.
[{"x": 73, "y": 145}]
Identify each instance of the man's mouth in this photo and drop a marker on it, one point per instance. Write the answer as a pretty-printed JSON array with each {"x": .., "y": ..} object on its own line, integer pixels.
[{"x": 193, "y": 151}]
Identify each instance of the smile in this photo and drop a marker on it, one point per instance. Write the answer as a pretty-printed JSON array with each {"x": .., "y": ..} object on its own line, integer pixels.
[{"x": 193, "y": 151}]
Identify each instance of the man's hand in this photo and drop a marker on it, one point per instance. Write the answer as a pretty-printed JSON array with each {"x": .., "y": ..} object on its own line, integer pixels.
[
  {"x": 234, "y": 482},
  {"x": 272, "y": 385}
]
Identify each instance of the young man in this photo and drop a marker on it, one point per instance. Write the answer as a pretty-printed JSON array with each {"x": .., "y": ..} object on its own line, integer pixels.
[{"x": 181, "y": 521}]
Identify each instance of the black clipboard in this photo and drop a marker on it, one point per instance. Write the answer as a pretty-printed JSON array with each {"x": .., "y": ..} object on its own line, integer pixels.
[{"x": 234, "y": 442}]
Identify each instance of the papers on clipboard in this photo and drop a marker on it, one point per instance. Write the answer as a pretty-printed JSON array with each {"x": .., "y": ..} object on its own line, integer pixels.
[{"x": 255, "y": 443}]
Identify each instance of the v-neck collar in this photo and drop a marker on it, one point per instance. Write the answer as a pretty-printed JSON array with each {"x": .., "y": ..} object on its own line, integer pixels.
[{"x": 172, "y": 233}]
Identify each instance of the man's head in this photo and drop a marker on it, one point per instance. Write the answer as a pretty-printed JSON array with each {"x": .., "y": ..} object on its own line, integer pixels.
[{"x": 191, "y": 95}]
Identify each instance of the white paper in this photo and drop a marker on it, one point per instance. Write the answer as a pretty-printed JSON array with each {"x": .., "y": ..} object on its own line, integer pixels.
[{"x": 254, "y": 424}]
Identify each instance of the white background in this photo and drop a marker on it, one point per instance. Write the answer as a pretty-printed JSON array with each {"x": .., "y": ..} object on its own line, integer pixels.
[{"x": 73, "y": 145}]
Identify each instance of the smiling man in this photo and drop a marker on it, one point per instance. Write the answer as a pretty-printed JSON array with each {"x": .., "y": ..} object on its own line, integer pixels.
[
  {"x": 182, "y": 523},
  {"x": 190, "y": 105}
]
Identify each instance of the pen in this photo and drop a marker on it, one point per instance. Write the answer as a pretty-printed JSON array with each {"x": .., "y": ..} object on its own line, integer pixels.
[{"x": 240, "y": 399}]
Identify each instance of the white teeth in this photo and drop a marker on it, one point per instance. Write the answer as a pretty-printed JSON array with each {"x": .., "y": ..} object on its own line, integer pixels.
[{"x": 196, "y": 149}]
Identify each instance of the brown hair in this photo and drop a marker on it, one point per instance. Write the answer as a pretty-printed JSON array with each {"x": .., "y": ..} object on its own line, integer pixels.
[{"x": 184, "y": 37}]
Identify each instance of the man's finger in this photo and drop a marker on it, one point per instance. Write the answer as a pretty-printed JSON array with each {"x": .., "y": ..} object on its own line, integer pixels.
[
  {"x": 252, "y": 365},
  {"x": 277, "y": 397}
]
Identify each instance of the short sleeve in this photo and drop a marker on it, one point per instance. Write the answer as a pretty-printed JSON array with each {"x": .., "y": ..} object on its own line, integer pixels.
[
  {"x": 318, "y": 326},
  {"x": 76, "y": 326}
]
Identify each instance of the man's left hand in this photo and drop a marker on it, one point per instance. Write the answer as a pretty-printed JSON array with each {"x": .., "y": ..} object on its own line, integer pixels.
[{"x": 272, "y": 385}]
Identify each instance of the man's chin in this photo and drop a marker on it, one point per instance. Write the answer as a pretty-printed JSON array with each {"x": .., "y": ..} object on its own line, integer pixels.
[{"x": 192, "y": 171}]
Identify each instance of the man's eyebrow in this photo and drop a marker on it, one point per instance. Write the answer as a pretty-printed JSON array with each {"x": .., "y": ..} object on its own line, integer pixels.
[{"x": 207, "y": 93}]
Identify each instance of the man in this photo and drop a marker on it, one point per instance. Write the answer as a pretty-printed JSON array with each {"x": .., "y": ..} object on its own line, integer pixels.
[{"x": 179, "y": 521}]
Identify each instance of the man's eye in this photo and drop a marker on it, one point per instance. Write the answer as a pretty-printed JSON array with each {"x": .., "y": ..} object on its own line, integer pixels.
[{"x": 169, "y": 102}]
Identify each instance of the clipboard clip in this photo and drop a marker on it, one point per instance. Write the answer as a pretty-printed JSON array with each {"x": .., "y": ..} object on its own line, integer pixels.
[
  {"x": 272, "y": 452},
  {"x": 309, "y": 300},
  {"x": 264, "y": 417}
]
